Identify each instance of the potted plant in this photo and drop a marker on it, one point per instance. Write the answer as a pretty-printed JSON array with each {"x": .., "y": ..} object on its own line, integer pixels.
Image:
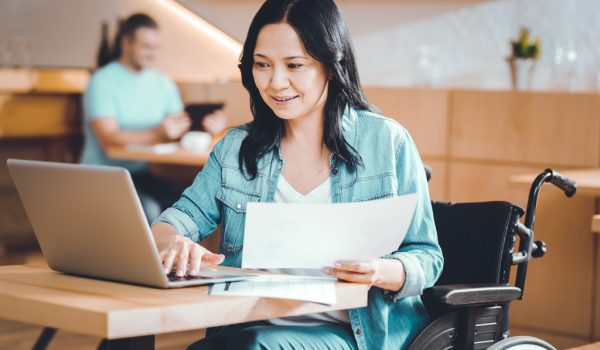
[{"x": 522, "y": 59}]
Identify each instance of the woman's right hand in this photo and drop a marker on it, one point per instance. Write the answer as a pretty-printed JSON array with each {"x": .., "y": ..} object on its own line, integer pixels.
[{"x": 184, "y": 256}]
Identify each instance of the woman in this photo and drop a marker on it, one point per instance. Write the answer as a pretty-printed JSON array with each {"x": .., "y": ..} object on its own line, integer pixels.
[{"x": 313, "y": 139}]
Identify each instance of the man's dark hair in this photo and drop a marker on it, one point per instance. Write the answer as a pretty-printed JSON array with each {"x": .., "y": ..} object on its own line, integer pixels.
[
  {"x": 129, "y": 26},
  {"x": 322, "y": 30}
]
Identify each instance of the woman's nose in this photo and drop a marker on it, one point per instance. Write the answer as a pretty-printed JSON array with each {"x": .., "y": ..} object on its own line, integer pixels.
[{"x": 279, "y": 79}]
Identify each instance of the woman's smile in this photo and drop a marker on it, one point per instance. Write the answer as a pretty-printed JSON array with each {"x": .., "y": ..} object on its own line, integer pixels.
[{"x": 283, "y": 100}]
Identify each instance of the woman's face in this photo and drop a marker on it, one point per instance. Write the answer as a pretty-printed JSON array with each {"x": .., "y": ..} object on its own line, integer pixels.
[{"x": 290, "y": 81}]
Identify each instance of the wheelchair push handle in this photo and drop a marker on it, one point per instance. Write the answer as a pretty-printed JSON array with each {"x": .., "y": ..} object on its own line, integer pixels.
[{"x": 563, "y": 182}]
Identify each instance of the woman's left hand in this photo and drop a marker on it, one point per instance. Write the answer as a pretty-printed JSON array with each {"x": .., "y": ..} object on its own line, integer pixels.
[
  {"x": 383, "y": 273},
  {"x": 357, "y": 271}
]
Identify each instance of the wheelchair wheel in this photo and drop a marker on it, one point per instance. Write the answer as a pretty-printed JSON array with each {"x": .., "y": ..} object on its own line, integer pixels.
[{"x": 521, "y": 343}]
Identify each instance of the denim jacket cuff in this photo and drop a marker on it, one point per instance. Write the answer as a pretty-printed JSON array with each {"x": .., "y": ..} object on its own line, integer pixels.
[
  {"x": 183, "y": 224},
  {"x": 415, "y": 278}
]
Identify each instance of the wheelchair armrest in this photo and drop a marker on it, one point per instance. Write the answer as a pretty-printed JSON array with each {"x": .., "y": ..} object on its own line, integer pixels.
[{"x": 457, "y": 295}]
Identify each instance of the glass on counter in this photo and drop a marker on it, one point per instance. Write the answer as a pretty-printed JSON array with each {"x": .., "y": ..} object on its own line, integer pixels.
[{"x": 566, "y": 69}]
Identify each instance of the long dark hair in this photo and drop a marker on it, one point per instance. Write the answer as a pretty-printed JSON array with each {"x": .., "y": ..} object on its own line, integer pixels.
[{"x": 321, "y": 28}]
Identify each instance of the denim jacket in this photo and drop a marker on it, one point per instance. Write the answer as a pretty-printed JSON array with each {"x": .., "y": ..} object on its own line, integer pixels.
[{"x": 391, "y": 166}]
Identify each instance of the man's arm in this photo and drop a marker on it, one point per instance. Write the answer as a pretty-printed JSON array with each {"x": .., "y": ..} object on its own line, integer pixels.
[{"x": 108, "y": 133}]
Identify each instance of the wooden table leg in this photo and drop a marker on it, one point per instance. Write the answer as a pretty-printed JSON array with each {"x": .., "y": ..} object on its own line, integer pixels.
[
  {"x": 44, "y": 339},
  {"x": 135, "y": 343}
]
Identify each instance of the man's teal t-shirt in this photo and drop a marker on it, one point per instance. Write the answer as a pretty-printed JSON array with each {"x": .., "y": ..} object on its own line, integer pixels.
[{"x": 136, "y": 100}]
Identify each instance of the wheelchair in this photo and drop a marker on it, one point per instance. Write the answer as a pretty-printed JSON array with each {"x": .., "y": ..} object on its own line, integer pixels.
[{"x": 469, "y": 305}]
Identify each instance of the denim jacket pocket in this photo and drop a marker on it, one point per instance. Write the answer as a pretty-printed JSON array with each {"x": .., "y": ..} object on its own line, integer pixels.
[
  {"x": 234, "y": 217},
  {"x": 368, "y": 188}
]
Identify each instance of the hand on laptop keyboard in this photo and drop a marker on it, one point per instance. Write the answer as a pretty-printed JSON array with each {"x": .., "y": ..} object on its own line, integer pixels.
[{"x": 180, "y": 253}]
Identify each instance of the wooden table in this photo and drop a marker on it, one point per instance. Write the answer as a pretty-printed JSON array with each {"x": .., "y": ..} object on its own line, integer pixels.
[
  {"x": 129, "y": 316},
  {"x": 178, "y": 156}
]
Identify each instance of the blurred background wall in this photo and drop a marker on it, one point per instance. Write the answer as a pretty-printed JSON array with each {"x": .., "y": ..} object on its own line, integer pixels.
[
  {"x": 452, "y": 43},
  {"x": 66, "y": 33},
  {"x": 446, "y": 43}
]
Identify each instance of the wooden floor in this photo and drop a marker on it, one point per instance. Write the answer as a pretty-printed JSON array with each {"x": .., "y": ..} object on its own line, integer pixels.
[{"x": 20, "y": 336}]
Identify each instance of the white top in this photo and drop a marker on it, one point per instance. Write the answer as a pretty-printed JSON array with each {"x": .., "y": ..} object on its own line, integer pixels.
[{"x": 285, "y": 193}]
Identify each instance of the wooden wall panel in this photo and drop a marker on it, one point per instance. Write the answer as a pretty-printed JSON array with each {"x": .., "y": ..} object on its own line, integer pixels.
[
  {"x": 44, "y": 80},
  {"x": 481, "y": 181},
  {"x": 193, "y": 92},
  {"x": 423, "y": 112},
  {"x": 538, "y": 128}
]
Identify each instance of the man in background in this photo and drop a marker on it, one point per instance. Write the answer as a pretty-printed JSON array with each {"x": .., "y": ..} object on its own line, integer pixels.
[{"x": 129, "y": 102}]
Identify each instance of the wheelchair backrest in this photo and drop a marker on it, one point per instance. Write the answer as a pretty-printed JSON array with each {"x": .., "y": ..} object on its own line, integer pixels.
[{"x": 477, "y": 240}]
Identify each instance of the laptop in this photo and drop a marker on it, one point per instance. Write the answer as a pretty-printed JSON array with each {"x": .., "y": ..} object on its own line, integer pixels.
[{"x": 89, "y": 222}]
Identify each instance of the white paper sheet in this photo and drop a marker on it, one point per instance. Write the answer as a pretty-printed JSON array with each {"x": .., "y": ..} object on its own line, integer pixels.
[
  {"x": 317, "y": 290},
  {"x": 281, "y": 235}
]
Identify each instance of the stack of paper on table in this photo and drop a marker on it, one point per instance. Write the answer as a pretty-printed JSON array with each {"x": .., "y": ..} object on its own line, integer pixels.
[{"x": 317, "y": 290}]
